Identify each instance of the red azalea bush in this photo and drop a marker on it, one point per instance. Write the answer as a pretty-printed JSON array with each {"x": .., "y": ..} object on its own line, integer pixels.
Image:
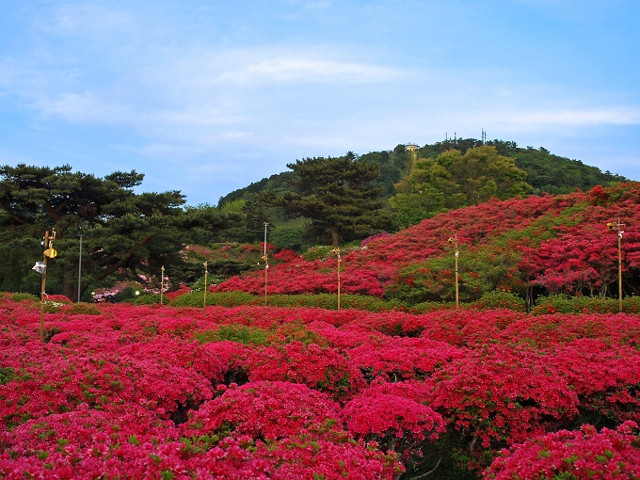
[
  {"x": 392, "y": 419},
  {"x": 502, "y": 394},
  {"x": 264, "y": 409},
  {"x": 321, "y": 368},
  {"x": 264, "y": 392},
  {"x": 586, "y": 453}
]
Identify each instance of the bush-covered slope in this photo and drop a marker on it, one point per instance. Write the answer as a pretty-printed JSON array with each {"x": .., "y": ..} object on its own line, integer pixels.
[{"x": 536, "y": 245}]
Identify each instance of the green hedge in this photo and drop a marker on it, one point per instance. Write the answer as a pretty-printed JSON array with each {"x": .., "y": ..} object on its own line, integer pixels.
[
  {"x": 323, "y": 300},
  {"x": 498, "y": 299},
  {"x": 565, "y": 304},
  {"x": 223, "y": 299}
]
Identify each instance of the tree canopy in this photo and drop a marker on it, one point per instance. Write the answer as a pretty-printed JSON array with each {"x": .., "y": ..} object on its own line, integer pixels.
[
  {"x": 121, "y": 229},
  {"x": 454, "y": 180},
  {"x": 337, "y": 195}
]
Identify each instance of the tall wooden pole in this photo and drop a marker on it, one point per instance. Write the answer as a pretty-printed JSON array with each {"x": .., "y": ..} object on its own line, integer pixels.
[
  {"x": 42, "y": 294},
  {"x": 620, "y": 232},
  {"x": 204, "y": 293},
  {"x": 619, "y": 272},
  {"x": 454, "y": 241},
  {"x": 80, "y": 267},
  {"x": 618, "y": 228},
  {"x": 266, "y": 262},
  {"x": 337, "y": 252},
  {"x": 161, "y": 284}
]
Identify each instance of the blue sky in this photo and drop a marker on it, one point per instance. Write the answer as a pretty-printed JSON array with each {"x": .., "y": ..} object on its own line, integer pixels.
[{"x": 207, "y": 96}]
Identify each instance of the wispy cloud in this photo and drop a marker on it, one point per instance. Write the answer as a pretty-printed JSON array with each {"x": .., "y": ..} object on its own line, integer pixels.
[
  {"x": 298, "y": 68},
  {"x": 536, "y": 120}
]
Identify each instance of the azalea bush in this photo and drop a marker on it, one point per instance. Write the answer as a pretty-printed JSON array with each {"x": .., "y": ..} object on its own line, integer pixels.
[
  {"x": 151, "y": 391},
  {"x": 573, "y": 455}
]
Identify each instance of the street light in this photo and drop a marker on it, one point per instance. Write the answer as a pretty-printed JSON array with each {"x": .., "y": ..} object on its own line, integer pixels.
[
  {"x": 336, "y": 251},
  {"x": 204, "y": 293},
  {"x": 454, "y": 241},
  {"x": 80, "y": 267},
  {"x": 266, "y": 262},
  {"x": 617, "y": 227},
  {"x": 161, "y": 284},
  {"x": 41, "y": 267}
]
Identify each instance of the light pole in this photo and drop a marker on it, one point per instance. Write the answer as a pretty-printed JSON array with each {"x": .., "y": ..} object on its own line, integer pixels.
[
  {"x": 617, "y": 226},
  {"x": 161, "y": 284},
  {"x": 454, "y": 241},
  {"x": 80, "y": 267},
  {"x": 204, "y": 293},
  {"x": 336, "y": 251},
  {"x": 266, "y": 262},
  {"x": 41, "y": 267}
]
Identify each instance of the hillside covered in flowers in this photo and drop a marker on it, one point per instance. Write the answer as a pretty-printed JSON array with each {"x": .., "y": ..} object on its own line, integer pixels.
[{"x": 532, "y": 246}]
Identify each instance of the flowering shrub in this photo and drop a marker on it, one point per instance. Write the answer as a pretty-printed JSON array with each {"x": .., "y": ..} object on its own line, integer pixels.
[
  {"x": 264, "y": 410},
  {"x": 503, "y": 395},
  {"x": 573, "y": 455},
  {"x": 265, "y": 392},
  {"x": 321, "y": 368},
  {"x": 392, "y": 420}
]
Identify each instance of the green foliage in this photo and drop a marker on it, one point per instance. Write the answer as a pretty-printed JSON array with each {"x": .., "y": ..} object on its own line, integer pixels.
[
  {"x": 234, "y": 333},
  {"x": 454, "y": 180},
  {"x": 499, "y": 299},
  {"x": 223, "y": 299},
  {"x": 288, "y": 237},
  {"x": 413, "y": 207},
  {"x": 553, "y": 174},
  {"x": 6, "y": 375},
  {"x": 583, "y": 304},
  {"x": 18, "y": 297},
  {"x": 324, "y": 300},
  {"x": 317, "y": 253},
  {"x": 81, "y": 308},
  {"x": 123, "y": 232},
  {"x": 338, "y": 197},
  {"x": 147, "y": 299}
]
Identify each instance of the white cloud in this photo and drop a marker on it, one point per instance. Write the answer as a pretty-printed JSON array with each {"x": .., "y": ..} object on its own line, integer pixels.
[
  {"x": 300, "y": 68},
  {"x": 550, "y": 119}
]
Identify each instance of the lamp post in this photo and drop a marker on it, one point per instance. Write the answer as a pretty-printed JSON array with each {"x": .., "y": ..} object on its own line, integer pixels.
[
  {"x": 266, "y": 262},
  {"x": 204, "y": 293},
  {"x": 161, "y": 284},
  {"x": 41, "y": 268},
  {"x": 80, "y": 267},
  {"x": 336, "y": 251},
  {"x": 617, "y": 227},
  {"x": 454, "y": 241}
]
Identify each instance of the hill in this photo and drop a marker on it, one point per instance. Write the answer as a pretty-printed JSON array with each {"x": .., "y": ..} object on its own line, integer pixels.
[
  {"x": 530, "y": 246},
  {"x": 545, "y": 172}
]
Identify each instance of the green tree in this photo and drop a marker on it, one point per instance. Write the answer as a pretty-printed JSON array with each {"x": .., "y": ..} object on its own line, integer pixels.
[
  {"x": 454, "y": 180},
  {"x": 337, "y": 195},
  {"x": 123, "y": 232}
]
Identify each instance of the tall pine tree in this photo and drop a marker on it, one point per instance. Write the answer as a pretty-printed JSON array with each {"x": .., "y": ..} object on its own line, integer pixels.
[{"x": 337, "y": 195}]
